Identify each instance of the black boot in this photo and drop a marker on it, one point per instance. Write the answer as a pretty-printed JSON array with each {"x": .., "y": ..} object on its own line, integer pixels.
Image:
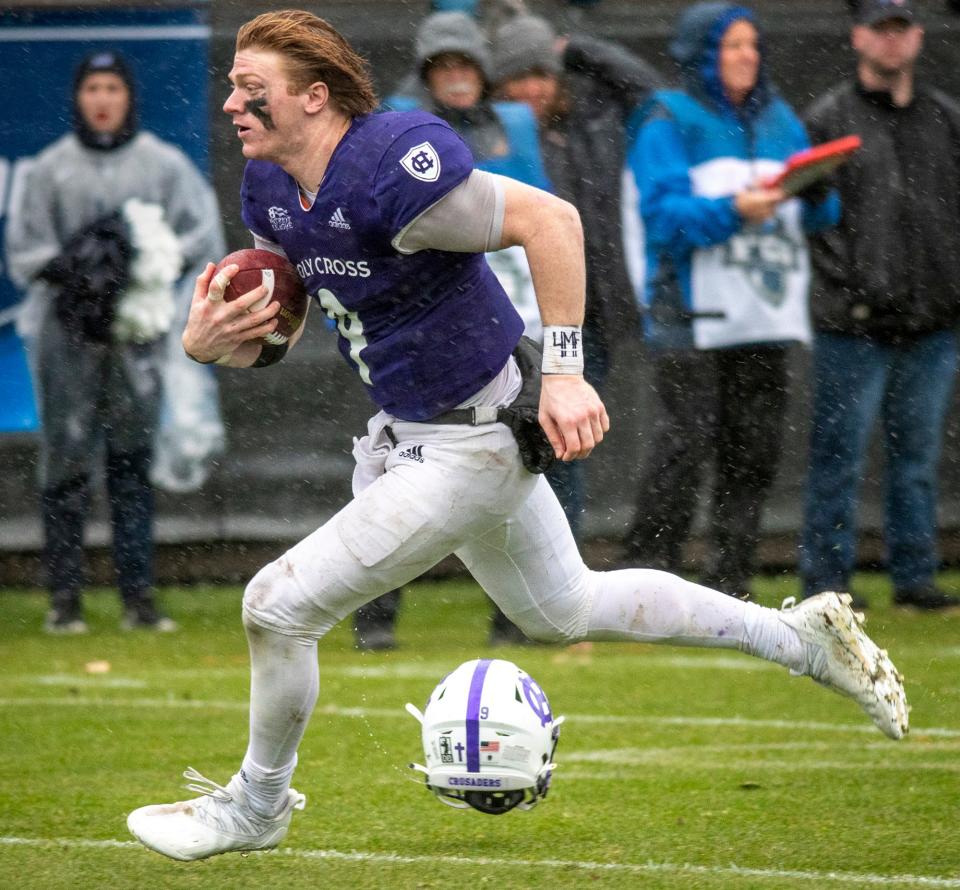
[
  {"x": 64, "y": 510},
  {"x": 929, "y": 598},
  {"x": 373, "y": 623},
  {"x": 140, "y": 612},
  {"x": 66, "y": 614},
  {"x": 503, "y": 632}
]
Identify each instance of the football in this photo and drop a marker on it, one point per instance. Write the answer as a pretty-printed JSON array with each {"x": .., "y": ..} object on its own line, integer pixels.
[{"x": 283, "y": 286}]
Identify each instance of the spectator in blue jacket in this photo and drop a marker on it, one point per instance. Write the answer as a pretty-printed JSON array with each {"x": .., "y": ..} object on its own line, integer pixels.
[{"x": 725, "y": 289}]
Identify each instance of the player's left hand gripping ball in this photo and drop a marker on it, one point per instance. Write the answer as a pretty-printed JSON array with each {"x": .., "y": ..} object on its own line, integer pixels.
[{"x": 283, "y": 285}]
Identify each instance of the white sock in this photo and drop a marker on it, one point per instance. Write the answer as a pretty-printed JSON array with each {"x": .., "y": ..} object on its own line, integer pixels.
[
  {"x": 766, "y": 636},
  {"x": 266, "y": 789},
  {"x": 284, "y": 683},
  {"x": 650, "y": 606}
]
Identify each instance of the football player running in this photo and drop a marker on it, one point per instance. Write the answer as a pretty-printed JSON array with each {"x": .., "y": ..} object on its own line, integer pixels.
[{"x": 387, "y": 223}]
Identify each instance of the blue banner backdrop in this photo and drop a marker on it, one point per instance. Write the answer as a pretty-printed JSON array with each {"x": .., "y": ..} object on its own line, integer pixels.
[{"x": 39, "y": 50}]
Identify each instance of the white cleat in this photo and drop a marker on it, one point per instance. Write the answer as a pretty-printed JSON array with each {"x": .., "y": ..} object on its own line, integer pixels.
[
  {"x": 219, "y": 822},
  {"x": 843, "y": 658}
]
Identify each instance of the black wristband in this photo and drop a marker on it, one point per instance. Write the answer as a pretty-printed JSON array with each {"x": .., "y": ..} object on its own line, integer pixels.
[
  {"x": 270, "y": 355},
  {"x": 198, "y": 361}
]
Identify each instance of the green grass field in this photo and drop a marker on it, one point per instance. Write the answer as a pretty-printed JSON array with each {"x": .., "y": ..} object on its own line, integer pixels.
[{"x": 678, "y": 768}]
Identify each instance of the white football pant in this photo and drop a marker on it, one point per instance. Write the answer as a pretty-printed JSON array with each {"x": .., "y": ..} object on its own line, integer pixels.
[{"x": 462, "y": 490}]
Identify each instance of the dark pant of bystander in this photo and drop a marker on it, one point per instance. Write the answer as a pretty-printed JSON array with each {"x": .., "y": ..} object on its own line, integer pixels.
[{"x": 724, "y": 405}]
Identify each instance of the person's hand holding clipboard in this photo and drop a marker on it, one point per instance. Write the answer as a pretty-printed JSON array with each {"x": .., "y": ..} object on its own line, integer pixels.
[{"x": 807, "y": 167}]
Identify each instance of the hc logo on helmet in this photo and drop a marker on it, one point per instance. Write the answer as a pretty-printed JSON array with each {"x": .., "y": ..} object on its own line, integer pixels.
[
  {"x": 537, "y": 699},
  {"x": 422, "y": 162}
]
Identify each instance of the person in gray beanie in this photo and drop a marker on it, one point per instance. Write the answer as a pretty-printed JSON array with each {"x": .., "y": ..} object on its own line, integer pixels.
[
  {"x": 453, "y": 68},
  {"x": 444, "y": 37},
  {"x": 527, "y": 43},
  {"x": 451, "y": 33},
  {"x": 467, "y": 31},
  {"x": 582, "y": 91}
]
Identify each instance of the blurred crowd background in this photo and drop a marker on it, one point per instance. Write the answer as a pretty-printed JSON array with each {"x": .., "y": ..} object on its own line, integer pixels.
[{"x": 279, "y": 473}]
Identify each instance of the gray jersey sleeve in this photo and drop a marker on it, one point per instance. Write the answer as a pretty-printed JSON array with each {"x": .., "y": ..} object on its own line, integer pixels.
[{"x": 468, "y": 219}]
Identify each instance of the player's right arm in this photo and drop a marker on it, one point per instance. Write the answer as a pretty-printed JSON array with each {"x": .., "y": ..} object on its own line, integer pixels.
[
  {"x": 228, "y": 333},
  {"x": 222, "y": 332},
  {"x": 214, "y": 325}
]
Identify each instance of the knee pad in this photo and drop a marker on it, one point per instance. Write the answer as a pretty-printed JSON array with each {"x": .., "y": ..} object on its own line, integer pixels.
[
  {"x": 275, "y": 600},
  {"x": 267, "y": 596}
]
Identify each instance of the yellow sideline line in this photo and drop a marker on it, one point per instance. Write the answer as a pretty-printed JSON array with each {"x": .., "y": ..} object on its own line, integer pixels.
[{"x": 819, "y": 877}]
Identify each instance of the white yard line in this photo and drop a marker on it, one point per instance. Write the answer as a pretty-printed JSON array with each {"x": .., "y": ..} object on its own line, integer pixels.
[
  {"x": 678, "y": 753},
  {"x": 90, "y": 681},
  {"x": 398, "y": 713},
  {"x": 772, "y": 874},
  {"x": 374, "y": 671},
  {"x": 753, "y": 766}
]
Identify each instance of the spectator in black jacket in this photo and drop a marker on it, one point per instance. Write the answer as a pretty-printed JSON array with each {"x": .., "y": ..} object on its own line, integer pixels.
[
  {"x": 885, "y": 302},
  {"x": 582, "y": 91}
]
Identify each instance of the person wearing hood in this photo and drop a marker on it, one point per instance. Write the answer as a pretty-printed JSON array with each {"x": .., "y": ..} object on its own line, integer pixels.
[
  {"x": 95, "y": 323},
  {"x": 453, "y": 68},
  {"x": 725, "y": 288}
]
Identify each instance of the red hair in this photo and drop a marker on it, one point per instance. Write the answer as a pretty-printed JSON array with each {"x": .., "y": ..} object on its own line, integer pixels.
[{"x": 313, "y": 50}]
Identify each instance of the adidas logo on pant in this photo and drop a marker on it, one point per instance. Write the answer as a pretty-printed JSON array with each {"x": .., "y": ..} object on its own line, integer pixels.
[{"x": 414, "y": 452}]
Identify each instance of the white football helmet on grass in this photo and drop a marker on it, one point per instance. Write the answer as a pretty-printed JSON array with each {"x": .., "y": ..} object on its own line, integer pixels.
[{"x": 488, "y": 738}]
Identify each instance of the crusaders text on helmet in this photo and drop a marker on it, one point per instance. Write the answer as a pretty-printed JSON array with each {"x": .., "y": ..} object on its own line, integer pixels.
[{"x": 488, "y": 738}]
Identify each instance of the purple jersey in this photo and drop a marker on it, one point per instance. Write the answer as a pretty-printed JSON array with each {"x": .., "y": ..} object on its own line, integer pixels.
[{"x": 425, "y": 331}]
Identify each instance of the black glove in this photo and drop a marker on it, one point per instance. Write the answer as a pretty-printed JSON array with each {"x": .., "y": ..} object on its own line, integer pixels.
[
  {"x": 523, "y": 414},
  {"x": 90, "y": 274}
]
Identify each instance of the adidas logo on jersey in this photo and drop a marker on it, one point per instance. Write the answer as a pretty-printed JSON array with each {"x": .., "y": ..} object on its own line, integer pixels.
[
  {"x": 414, "y": 452},
  {"x": 338, "y": 220}
]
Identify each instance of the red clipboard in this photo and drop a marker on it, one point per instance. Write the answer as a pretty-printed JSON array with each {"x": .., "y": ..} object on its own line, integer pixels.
[{"x": 812, "y": 164}]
